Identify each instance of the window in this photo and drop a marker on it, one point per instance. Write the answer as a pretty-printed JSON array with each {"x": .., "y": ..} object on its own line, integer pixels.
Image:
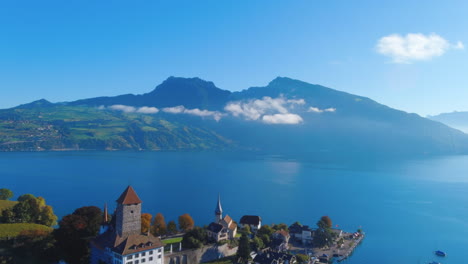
[
  {"x": 130, "y": 262},
  {"x": 151, "y": 252},
  {"x": 143, "y": 254},
  {"x": 159, "y": 256},
  {"x": 137, "y": 255},
  {"x": 150, "y": 258},
  {"x": 159, "y": 250},
  {"x": 137, "y": 261},
  {"x": 130, "y": 257},
  {"x": 143, "y": 260}
]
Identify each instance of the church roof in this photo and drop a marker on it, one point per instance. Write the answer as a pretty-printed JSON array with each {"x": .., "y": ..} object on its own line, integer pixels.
[
  {"x": 129, "y": 196},
  {"x": 218, "y": 209}
]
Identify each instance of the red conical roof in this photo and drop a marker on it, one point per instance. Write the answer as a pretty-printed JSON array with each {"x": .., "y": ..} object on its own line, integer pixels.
[{"x": 129, "y": 196}]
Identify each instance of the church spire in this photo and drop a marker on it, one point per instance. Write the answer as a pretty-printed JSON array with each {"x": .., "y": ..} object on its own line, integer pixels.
[
  {"x": 106, "y": 218},
  {"x": 218, "y": 210}
]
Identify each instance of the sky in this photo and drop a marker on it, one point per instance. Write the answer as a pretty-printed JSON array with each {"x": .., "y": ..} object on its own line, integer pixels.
[{"x": 409, "y": 55}]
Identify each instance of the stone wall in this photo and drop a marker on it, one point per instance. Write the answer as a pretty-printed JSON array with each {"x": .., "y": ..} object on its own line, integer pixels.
[{"x": 205, "y": 254}]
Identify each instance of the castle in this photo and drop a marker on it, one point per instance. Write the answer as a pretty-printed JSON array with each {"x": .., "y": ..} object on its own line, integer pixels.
[{"x": 121, "y": 241}]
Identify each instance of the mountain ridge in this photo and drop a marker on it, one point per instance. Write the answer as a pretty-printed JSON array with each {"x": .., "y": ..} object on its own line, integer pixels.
[{"x": 285, "y": 116}]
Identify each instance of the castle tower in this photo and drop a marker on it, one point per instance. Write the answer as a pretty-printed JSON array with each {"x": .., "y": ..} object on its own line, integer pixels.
[
  {"x": 218, "y": 210},
  {"x": 128, "y": 213}
]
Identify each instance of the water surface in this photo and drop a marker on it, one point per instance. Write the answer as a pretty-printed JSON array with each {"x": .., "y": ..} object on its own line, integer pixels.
[{"x": 407, "y": 208}]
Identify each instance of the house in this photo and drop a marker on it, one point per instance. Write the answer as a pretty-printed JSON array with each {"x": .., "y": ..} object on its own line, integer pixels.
[
  {"x": 253, "y": 221},
  {"x": 301, "y": 233},
  {"x": 229, "y": 227},
  {"x": 280, "y": 240},
  {"x": 271, "y": 257},
  {"x": 121, "y": 241}
]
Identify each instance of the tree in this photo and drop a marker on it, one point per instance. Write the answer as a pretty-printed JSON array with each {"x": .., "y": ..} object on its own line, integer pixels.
[
  {"x": 302, "y": 258},
  {"x": 265, "y": 230},
  {"x": 281, "y": 227},
  {"x": 74, "y": 232},
  {"x": 245, "y": 230},
  {"x": 194, "y": 238},
  {"x": 145, "y": 222},
  {"x": 25, "y": 197},
  {"x": 323, "y": 234},
  {"x": 243, "y": 251},
  {"x": 257, "y": 243},
  {"x": 47, "y": 216},
  {"x": 5, "y": 194},
  {"x": 171, "y": 227},
  {"x": 186, "y": 222},
  {"x": 325, "y": 222},
  {"x": 159, "y": 225}
]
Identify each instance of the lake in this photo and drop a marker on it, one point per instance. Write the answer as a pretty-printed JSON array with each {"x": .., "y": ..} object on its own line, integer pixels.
[{"x": 408, "y": 208}]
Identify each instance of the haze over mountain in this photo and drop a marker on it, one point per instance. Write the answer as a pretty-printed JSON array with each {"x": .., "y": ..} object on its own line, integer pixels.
[
  {"x": 458, "y": 120},
  {"x": 286, "y": 117}
]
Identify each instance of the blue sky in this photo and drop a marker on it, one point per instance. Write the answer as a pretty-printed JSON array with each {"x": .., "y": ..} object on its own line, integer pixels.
[{"x": 68, "y": 50}]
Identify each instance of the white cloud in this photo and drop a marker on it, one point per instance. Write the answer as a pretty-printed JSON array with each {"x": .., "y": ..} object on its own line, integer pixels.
[
  {"x": 254, "y": 109},
  {"x": 414, "y": 47},
  {"x": 290, "y": 119},
  {"x": 269, "y": 110},
  {"x": 174, "y": 110},
  {"x": 318, "y": 110},
  {"x": 197, "y": 112},
  {"x": 131, "y": 109},
  {"x": 297, "y": 101},
  {"x": 147, "y": 110},
  {"x": 123, "y": 108}
]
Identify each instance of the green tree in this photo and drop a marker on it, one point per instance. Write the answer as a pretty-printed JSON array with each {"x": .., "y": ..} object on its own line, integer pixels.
[
  {"x": 257, "y": 243},
  {"x": 25, "y": 197},
  {"x": 145, "y": 222},
  {"x": 7, "y": 216},
  {"x": 323, "y": 234},
  {"x": 172, "y": 227},
  {"x": 159, "y": 225},
  {"x": 280, "y": 227},
  {"x": 194, "y": 238},
  {"x": 245, "y": 230},
  {"x": 47, "y": 216},
  {"x": 302, "y": 258},
  {"x": 186, "y": 222},
  {"x": 5, "y": 194},
  {"x": 243, "y": 252}
]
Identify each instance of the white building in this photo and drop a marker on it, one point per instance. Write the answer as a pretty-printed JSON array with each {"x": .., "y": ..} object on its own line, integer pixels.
[{"x": 121, "y": 241}]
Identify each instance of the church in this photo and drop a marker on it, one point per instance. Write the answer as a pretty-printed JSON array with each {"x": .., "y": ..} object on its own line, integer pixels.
[
  {"x": 121, "y": 240},
  {"x": 223, "y": 227}
]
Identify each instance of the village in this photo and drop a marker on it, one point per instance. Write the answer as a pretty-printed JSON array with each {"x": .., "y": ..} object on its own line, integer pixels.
[{"x": 121, "y": 240}]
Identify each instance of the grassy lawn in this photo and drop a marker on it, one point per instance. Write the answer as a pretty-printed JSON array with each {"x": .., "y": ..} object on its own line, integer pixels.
[
  {"x": 12, "y": 230},
  {"x": 172, "y": 240},
  {"x": 4, "y": 204}
]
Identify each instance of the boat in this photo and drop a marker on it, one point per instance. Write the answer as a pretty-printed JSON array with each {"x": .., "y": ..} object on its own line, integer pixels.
[{"x": 440, "y": 253}]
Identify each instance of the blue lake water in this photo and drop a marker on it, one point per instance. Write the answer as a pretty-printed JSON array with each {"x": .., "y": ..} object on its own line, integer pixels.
[{"x": 407, "y": 208}]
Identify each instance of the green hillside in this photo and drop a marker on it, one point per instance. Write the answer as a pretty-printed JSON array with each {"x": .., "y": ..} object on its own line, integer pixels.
[
  {"x": 13, "y": 230},
  {"x": 59, "y": 127}
]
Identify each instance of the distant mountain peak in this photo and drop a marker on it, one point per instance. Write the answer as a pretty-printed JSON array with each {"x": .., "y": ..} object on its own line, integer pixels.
[{"x": 37, "y": 103}]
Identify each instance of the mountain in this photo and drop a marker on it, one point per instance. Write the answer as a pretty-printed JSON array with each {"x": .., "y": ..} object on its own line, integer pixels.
[
  {"x": 458, "y": 120},
  {"x": 189, "y": 92},
  {"x": 285, "y": 117}
]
